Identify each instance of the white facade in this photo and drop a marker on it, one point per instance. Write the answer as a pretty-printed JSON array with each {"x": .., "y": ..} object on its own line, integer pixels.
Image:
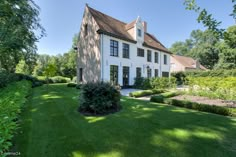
[{"x": 132, "y": 62}]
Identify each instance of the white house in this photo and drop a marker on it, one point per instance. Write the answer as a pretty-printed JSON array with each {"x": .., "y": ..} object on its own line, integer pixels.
[{"x": 111, "y": 50}]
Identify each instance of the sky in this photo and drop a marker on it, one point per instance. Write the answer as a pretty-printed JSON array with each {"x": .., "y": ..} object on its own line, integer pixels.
[{"x": 167, "y": 19}]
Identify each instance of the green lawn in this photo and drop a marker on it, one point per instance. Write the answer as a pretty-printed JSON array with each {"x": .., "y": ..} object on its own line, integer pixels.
[{"x": 52, "y": 127}]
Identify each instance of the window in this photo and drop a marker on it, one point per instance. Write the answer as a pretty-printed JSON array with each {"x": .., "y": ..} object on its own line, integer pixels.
[
  {"x": 156, "y": 57},
  {"x": 156, "y": 72},
  {"x": 149, "y": 73},
  {"x": 140, "y": 52},
  {"x": 114, "y": 48},
  {"x": 85, "y": 30},
  {"x": 80, "y": 74},
  {"x": 139, "y": 32},
  {"x": 114, "y": 74},
  {"x": 138, "y": 72},
  {"x": 125, "y": 50},
  {"x": 165, "y": 74},
  {"x": 165, "y": 59},
  {"x": 149, "y": 56}
]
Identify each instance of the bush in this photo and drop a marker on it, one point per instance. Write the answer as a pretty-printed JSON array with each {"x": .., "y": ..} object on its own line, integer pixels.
[
  {"x": 12, "y": 98},
  {"x": 99, "y": 98},
  {"x": 213, "y": 87},
  {"x": 142, "y": 83},
  {"x": 145, "y": 93},
  {"x": 201, "y": 107},
  {"x": 161, "y": 97},
  {"x": 78, "y": 86},
  {"x": 155, "y": 83},
  {"x": 71, "y": 85},
  {"x": 7, "y": 78},
  {"x": 60, "y": 79}
]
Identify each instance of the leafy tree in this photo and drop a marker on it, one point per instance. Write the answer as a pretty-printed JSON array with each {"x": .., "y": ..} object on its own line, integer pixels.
[
  {"x": 179, "y": 48},
  {"x": 207, "y": 19},
  {"x": 22, "y": 68},
  {"x": 230, "y": 37},
  {"x": 18, "y": 23}
]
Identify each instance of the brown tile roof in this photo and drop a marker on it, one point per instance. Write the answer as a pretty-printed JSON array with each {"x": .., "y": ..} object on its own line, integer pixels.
[
  {"x": 113, "y": 27},
  {"x": 188, "y": 62}
]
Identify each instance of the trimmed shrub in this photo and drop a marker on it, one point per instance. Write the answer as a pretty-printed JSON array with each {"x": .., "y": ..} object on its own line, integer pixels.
[
  {"x": 201, "y": 107},
  {"x": 60, "y": 79},
  {"x": 71, "y": 85},
  {"x": 98, "y": 98},
  {"x": 162, "y": 97},
  {"x": 157, "y": 99},
  {"x": 145, "y": 93},
  {"x": 12, "y": 98},
  {"x": 7, "y": 78},
  {"x": 155, "y": 83},
  {"x": 78, "y": 86}
]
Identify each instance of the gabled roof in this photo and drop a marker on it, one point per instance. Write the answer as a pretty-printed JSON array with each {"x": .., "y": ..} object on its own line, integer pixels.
[
  {"x": 188, "y": 62},
  {"x": 116, "y": 28}
]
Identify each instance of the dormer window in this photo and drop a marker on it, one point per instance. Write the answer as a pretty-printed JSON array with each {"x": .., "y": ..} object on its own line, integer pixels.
[
  {"x": 139, "y": 33},
  {"x": 85, "y": 30}
]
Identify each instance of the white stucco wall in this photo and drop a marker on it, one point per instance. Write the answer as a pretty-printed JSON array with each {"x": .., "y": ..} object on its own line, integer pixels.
[{"x": 133, "y": 62}]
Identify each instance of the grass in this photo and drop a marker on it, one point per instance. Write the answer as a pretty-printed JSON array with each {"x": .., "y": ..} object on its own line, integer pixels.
[{"x": 51, "y": 126}]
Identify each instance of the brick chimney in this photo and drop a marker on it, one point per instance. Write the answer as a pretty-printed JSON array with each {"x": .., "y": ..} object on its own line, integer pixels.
[{"x": 145, "y": 26}]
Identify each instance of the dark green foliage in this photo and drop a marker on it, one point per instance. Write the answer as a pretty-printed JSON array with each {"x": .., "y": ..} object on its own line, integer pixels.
[
  {"x": 60, "y": 79},
  {"x": 201, "y": 107},
  {"x": 145, "y": 93},
  {"x": 71, "y": 85},
  {"x": 154, "y": 83},
  {"x": 142, "y": 83},
  {"x": 12, "y": 98},
  {"x": 157, "y": 99},
  {"x": 160, "y": 98},
  {"x": 78, "y": 86},
  {"x": 6, "y": 78},
  {"x": 180, "y": 77},
  {"x": 99, "y": 98}
]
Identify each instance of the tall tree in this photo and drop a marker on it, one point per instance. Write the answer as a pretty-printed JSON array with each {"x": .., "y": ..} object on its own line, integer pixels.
[
  {"x": 22, "y": 68},
  {"x": 18, "y": 23}
]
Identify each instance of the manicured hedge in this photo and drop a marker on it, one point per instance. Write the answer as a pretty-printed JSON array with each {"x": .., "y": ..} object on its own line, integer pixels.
[
  {"x": 71, "y": 85},
  {"x": 201, "y": 107},
  {"x": 155, "y": 83},
  {"x": 165, "y": 98},
  {"x": 145, "y": 93},
  {"x": 213, "y": 87},
  {"x": 7, "y": 78},
  {"x": 99, "y": 98},
  {"x": 160, "y": 98},
  {"x": 12, "y": 98},
  {"x": 181, "y": 77},
  {"x": 55, "y": 79}
]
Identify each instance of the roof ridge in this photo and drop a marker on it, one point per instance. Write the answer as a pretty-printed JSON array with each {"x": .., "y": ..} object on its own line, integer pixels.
[{"x": 106, "y": 15}]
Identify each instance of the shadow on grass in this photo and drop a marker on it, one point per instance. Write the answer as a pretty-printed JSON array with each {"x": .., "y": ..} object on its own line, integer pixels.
[{"x": 55, "y": 128}]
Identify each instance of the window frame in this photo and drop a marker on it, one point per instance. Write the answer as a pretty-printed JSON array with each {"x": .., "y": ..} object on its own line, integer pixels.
[
  {"x": 114, "y": 69},
  {"x": 149, "y": 73},
  {"x": 138, "y": 72},
  {"x": 165, "y": 59},
  {"x": 156, "y": 72},
  {"x": 114, "y": 48},
  {"x": 149, "y": 56},
  {"x": 140, "y": 50},
  {"x": 139, "y": 32},
  {"x": 125, "y": 50},
  {"x": 156, "y": 57}
]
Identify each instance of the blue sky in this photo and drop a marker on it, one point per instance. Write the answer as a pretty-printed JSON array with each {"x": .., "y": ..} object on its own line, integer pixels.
[{"x": 167, "y": 19}]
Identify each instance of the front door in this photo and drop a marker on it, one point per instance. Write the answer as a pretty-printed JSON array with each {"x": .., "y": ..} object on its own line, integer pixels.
[{"x": 125, "y": 76}]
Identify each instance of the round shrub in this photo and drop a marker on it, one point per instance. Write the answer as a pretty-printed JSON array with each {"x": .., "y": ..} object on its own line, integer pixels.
[
  {"x": 71, "y": 84},
  {"x": 99, "y": 98}
]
